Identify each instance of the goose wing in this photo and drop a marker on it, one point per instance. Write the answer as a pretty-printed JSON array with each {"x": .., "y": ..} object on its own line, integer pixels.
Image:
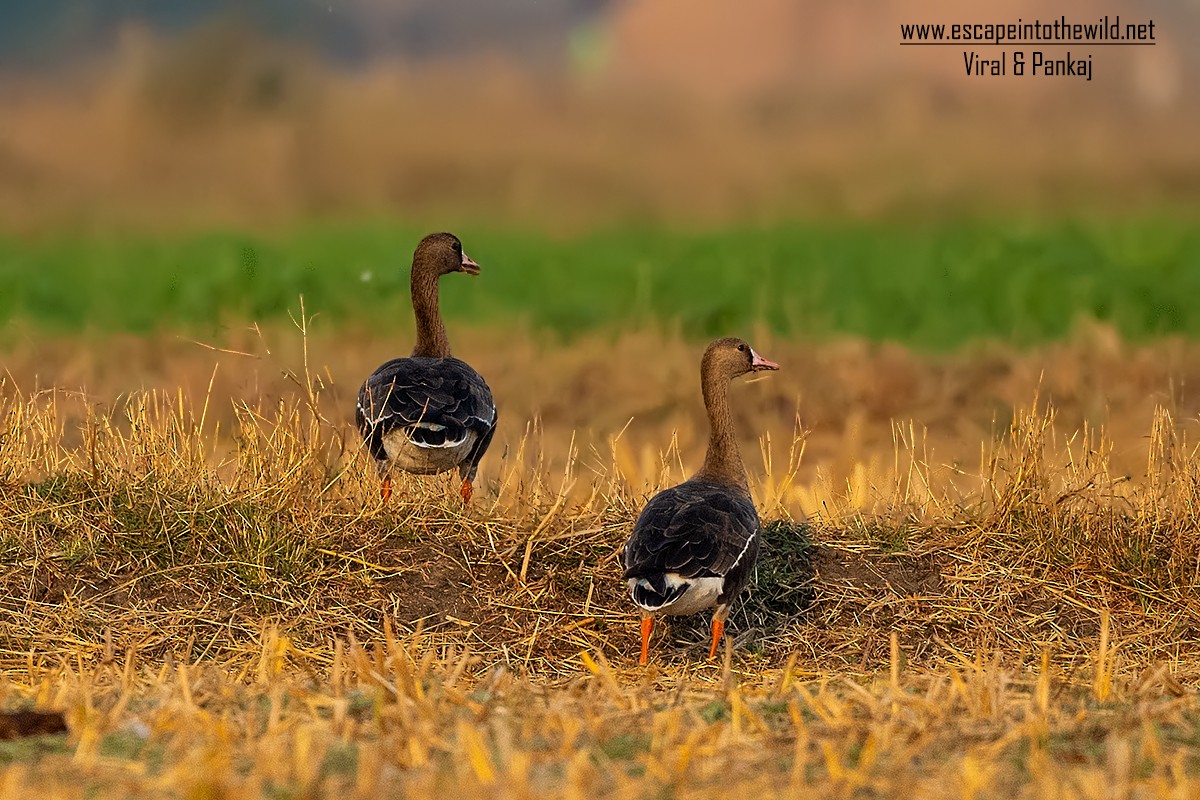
[
  {"x": 438, "y": 402},
  {"x": 694, "y": 530}
]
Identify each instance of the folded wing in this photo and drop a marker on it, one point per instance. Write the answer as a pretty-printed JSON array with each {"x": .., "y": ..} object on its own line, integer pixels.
[
  {"x": 688, "y": 533},
  {"x": 436, "y": 402}
]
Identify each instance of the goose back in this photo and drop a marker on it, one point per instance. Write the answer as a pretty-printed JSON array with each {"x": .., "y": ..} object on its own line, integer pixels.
[
  {"x": 692, "y": 547},
  {"x": 427, "y": 415}
]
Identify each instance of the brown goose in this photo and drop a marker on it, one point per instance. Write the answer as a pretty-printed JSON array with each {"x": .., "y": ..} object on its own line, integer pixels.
[
  {"x": 694, "y": 545},
  {"x": 430, "y": 412}
]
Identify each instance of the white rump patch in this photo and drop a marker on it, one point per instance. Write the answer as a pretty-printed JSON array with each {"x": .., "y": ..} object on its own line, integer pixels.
[
  {"x": 701, "y": 593},
  {"x": 448, "y": 443}
]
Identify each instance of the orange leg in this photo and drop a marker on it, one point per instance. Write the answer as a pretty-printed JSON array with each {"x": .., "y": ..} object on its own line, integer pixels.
[
  {"x": 386, "y": 489},
  {"x": 467, "y": 491},
  {"x": 718, "y": 628},
  {"x": 647, "y": 624}
]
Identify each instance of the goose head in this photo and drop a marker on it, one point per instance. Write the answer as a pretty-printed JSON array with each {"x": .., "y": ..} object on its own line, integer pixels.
[
  {"x": 726, "y": 359},
  {"x": 441, "y": 254}
]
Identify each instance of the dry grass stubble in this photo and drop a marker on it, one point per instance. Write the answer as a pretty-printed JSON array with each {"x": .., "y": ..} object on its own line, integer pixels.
[
  {"x": 185, "y": 520},
  {"x": 410, "y": 719},
  {"x": 191, "y": 575}
]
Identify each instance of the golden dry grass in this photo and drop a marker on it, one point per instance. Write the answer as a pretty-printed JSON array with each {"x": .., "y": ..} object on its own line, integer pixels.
[
  {"x": 995, "y": 599},
  {"x": 403, "y": 718}
]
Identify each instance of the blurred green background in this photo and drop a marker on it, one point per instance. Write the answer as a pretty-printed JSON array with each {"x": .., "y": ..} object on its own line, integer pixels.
[
  {"x": 171, "y": 164},
  {"x": 934, "y": 286}
]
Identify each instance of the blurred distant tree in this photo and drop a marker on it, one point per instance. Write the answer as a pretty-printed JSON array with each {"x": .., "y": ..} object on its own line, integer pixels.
[
  {"x": 39, "y": 33},
  {"x": 220, "y": 69}
]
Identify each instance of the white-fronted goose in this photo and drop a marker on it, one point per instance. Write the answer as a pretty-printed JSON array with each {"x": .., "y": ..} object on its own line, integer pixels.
[
  {"x": 694, "y": 545},
  {"x": 430, "y": 412}
]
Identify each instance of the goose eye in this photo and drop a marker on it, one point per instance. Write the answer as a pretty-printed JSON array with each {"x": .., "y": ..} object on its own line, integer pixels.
[{"x": 741, "y": 348}]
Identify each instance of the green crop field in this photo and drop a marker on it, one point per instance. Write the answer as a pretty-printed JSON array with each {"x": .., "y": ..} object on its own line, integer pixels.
[{"x": 929, "y": 286}]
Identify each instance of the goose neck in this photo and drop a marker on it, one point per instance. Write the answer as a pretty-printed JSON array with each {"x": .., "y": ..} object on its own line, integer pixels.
[
  {"x": 431, "y": 331},
  {"x": 723, "y": 459}
]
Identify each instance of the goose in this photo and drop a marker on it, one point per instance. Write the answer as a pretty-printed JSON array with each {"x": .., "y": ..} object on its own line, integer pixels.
[
  {"x": 430, "y": 412},
  {"x": 694, "y": 545}
]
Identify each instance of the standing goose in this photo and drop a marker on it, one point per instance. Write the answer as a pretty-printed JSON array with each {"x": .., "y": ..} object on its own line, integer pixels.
[
  {"x": 695, "y": 544},
  {"x": 430, "y": 412}
]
